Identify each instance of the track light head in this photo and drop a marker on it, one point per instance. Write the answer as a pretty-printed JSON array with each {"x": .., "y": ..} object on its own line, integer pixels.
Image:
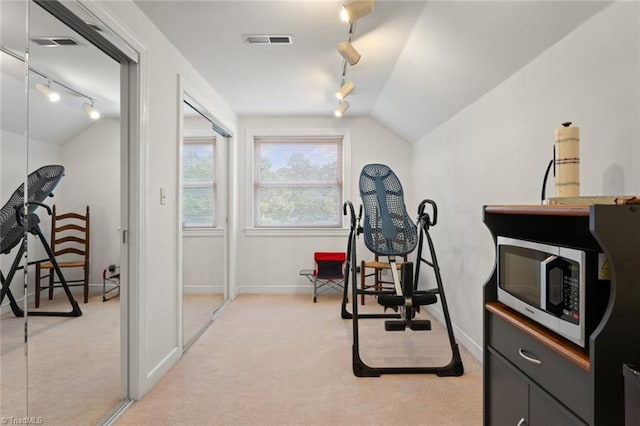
[
  {"x": 93, "y": 113},
  {"x": 342, "y": 108},
  {"x": 348, "y": 52},
  {"x": 355, "y": 10},
  {"x": 344, "y": 91},
  {"x": 46, "y": 91}
]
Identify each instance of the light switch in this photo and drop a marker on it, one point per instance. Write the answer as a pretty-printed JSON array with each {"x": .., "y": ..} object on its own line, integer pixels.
[{"x": 163, "y": 196}]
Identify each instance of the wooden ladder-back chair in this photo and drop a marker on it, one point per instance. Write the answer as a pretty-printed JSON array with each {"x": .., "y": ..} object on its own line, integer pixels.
[
  {"x": 379, "y": 284},
  {"x": 70, "y": 245}
]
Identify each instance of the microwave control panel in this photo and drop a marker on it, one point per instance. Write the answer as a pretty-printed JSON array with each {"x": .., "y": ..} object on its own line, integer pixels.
[
  {"x": 571, "y": 309},
  {"x": 563, "y": 292}
]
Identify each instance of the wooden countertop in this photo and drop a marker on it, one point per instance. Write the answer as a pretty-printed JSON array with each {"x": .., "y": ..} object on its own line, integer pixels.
[
  {"x": 564, "y": 348},
  {"x": 541, "y": 210}
]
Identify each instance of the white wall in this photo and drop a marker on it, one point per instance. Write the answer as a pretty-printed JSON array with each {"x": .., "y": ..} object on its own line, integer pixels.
[
  {"x": 270, "y": 262},
  {"x": 496, "y": 150},
  {"x": 92, "y": 177},
  {"x": 154, "y": 288},
  {"x": 203, "y": 263}
]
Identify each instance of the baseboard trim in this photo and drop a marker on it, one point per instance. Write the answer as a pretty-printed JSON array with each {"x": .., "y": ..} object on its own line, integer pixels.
[
  {"x": 203, "y": 289},
  {"x": 461, "y": 337},
  {"x": 4, "y": 308},
  {"x": 255, "y": 289}
]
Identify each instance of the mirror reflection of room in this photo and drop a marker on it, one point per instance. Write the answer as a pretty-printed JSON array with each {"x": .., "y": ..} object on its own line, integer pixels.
[
  {"x": 73, "y": 123},
  {"x": 202, "y": 222},
  {"x": 13, "y": 172}
]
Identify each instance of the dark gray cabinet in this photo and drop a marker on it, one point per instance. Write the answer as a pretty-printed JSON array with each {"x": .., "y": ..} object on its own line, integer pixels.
[
  {"x": 509, "y": 403},
  {"x": 516, "y": 400},
  {"x": 544, "y": 410},
  {"x": 535, "y": 377}
]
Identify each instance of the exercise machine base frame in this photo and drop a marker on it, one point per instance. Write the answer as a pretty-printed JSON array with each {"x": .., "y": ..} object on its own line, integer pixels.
[{"x": 455, "y": 366}]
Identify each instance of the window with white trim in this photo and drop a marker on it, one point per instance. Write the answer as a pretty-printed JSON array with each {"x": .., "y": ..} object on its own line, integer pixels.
[
  {"x": 298, "y": 182},
  {"x": 199, "y": 182}
]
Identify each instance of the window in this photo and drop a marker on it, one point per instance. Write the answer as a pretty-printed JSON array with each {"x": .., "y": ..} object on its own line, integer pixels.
[
  {"x": 199, "y": 183},
  {"x": 298, "y": 182}
]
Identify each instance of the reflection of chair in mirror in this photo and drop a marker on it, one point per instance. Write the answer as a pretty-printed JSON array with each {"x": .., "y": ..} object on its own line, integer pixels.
[
  {"x": 13, "y": 233},
  {"x": 70, "y": 246},
  {"x": 379, "y": 285}
]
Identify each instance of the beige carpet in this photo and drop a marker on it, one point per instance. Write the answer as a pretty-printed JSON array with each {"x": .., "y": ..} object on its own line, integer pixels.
[
  {"x": 197, "y": 310},
  {"x": 73, "y": 363},
  {"x": 283, "y": 360}
]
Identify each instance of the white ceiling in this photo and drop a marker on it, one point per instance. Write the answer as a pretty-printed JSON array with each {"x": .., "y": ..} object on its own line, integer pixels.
[{"x": 422, "y": 62}]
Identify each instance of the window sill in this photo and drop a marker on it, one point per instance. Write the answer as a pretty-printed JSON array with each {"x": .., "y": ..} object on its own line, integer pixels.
[
  {"x": 202, "y": 232},
  {"x": 296, "y": 232}
]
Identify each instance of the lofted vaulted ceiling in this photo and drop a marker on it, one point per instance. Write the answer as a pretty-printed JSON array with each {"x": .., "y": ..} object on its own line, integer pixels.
[{"x": 422, "y": 61}]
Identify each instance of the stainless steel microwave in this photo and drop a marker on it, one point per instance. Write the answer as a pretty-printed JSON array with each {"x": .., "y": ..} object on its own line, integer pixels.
[{"x": 550, "y": 284}]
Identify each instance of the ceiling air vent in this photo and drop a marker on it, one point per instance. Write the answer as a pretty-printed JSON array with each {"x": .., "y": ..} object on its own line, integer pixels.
[
  {"x": 267, "y": 39},
  {"x": 54, "y": 41}
]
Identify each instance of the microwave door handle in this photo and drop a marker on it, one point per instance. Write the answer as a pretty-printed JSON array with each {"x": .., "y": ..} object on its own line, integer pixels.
[{"x": 543, "y": 281}]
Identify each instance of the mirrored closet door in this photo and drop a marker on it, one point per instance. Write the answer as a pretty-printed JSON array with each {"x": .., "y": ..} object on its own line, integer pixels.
[
  {"x": 13, "y": 172},
  {"x": 203, "y": 226},
  {"x": 61, "y": 135},
  {"x": 74, "y": 123}
]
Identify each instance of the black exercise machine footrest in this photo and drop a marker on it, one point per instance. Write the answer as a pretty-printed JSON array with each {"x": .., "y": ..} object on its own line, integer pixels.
[
  {"x": 388, "y": 300},
  {"x": 424, "y": 299},
  {"x": 395, "y": 325},
  {"x": 401, "y": 325},
  {"x": 420, "y": 325}
]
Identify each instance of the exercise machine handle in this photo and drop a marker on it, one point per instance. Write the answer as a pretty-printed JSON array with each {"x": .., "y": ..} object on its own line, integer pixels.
[
  {"x": 431, "y": 221},
  {"x": 348, "y": 204}
]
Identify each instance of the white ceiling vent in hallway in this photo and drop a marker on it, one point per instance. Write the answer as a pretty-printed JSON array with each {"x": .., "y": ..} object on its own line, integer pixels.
[
  {"x": 266, "y": 39},
  {"x": 54, "y": 41}
]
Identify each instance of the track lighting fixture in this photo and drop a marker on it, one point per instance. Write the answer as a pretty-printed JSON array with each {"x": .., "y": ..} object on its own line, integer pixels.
[
  {"x": 93, "y": 113},
  {"x": 342, "y": 108},
  {"x": 344, "y": 91},
  {"x": 355, "y": 10},
  {"x": 348, "y": 52},
  {"x": 52, "y": 95},
  {"x": 46, "y": 91},
  {"x": 350, "y": 12}
]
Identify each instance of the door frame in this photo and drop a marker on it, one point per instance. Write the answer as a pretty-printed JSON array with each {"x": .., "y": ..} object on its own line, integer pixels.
[
  {"x": 126, "y": 49},
  {"x": 223, "y": 140}
]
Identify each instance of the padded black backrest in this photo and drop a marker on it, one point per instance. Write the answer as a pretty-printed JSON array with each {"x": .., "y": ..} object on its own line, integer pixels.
[
  {"x": 40, "y": 184},
  {"x": 388, "y": 229}
]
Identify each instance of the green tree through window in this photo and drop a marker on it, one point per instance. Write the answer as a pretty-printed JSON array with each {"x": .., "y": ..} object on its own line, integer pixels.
[
  {"x": 198, "y": 194},
  {"x": 298, "y": 182}
]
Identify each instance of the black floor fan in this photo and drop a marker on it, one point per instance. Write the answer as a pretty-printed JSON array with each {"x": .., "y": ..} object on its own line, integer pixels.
[
  {"x": 388, "y": 231},
  {"x": 14, "y": 225}
]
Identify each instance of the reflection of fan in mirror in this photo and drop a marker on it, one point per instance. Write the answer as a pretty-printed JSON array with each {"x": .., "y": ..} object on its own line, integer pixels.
[{"x": 40, "y": 184}]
